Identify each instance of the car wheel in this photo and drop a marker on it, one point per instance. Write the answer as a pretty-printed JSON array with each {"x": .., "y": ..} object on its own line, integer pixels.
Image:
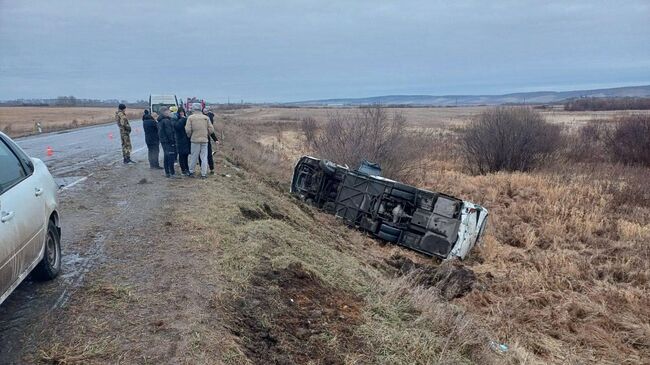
[
  {"x": 390, "y": 230},
  {"x": 387, "y": 237},
  {"x": 402, "y": 194},
  {"x": 404, "y": 187},
  {"x": 388, "y": 233},
  {"x": 50, "y": 265}
]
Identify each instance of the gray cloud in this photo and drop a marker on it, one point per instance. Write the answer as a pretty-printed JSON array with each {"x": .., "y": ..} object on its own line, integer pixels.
[{"x": 293, "y": 50}]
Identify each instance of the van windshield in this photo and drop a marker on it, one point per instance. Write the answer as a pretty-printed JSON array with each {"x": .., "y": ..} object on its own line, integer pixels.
[{"x": 155, "y": 108}]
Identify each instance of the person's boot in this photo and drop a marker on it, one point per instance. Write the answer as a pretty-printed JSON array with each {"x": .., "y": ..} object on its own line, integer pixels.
[
  {"x": 129, "y": 160},
  {"x": 125, "y": 161}
]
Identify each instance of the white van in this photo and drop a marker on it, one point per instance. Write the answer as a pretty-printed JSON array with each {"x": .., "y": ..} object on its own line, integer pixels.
[{"x": 158, "y": 101}]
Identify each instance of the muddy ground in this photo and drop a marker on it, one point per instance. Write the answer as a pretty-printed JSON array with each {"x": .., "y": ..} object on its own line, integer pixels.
[{"x": 133, "y": 289}]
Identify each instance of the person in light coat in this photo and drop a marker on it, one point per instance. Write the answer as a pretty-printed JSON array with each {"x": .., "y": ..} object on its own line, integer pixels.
[{"x": 199, "y": 129}]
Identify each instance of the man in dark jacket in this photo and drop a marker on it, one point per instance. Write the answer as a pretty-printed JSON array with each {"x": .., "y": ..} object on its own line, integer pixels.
[
  {"x": 151, "y": 138},
  {"x": 182, "y": 142},
  {"x": 168, "y": 141}
]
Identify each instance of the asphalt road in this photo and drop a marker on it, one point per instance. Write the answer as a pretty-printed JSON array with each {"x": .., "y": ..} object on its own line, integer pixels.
[{"x": 76, "y": 153}]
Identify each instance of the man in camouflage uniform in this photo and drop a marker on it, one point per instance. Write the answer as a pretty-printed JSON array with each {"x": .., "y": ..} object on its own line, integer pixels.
[{"x": 125, "y": 130}]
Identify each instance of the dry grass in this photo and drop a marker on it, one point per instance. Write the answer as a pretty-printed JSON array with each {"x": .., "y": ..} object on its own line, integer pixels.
[
  {"x": 263, "y": 232},
  {"x": 567, "y": 275},
  {"x": 563, "y": 271},
  {"x": 21, "y": 121}
]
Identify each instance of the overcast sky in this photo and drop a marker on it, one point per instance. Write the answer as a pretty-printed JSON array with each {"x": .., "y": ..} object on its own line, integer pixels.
[{"x": 297, "y": 50}]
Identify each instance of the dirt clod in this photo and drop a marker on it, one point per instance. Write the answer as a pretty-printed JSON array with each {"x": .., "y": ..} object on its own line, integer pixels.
[
  {"x": 453, "y": 279},
  {"x": 273, "y": 212},
  {"x": 143, "y": 181},
  {"x": 252, "y": 213},
  {"x": 402, "y": 263},
  {"x": 303, "y": 320}
]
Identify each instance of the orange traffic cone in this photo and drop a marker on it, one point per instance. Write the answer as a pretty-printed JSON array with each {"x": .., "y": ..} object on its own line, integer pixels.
[{"x": 49, "y": 151}]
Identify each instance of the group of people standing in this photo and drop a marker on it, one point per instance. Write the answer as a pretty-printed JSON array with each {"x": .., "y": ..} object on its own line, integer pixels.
[{"x": 182, "y": 137}]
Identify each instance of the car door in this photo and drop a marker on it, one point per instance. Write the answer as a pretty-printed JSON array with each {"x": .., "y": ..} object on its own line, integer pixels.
[
  {"x": 35, "y": 185},
  {"x": 21, "y": 213}
]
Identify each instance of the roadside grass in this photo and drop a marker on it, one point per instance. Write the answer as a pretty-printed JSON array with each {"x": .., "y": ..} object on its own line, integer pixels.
[
  {"x": 300, "y": 286},
  {"x": 563, "y": 271},
  {"x": 111, "y": 291},
  {"x": 80, "y": 352}
]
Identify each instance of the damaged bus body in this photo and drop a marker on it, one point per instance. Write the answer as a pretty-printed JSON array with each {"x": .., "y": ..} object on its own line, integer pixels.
[{"x": 432, "y": 223}]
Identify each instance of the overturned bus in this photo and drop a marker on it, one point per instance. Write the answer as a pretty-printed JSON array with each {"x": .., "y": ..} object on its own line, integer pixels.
[{"x": 432, "y": 223}]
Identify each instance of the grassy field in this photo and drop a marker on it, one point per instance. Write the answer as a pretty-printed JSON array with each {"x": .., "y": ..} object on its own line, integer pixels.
[
  {"x": 21, "y": 121},
  {"x": 563, "y": 272}
]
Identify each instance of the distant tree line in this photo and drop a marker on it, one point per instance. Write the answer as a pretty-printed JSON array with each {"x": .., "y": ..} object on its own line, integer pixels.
[
  {"x": 68, "y": 101},
  {"x": 626, "y": 103}
]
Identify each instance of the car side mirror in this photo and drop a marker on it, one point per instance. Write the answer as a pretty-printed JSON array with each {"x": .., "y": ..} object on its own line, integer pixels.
[{"x": 30, "y": 165}]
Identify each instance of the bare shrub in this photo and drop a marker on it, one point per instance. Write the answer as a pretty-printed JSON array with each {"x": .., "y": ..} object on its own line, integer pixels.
[
  {"x": 309, "y": 129},
  {"x": 633, "y": 192},
  {"x": 587, "y": 144},
  {"x": 373, "y": 134},
  {"x": 508, "y": 138},
  {"x": 629, "y": 143}
]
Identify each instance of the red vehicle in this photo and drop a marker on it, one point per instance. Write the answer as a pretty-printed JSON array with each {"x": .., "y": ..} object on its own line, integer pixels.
[{"x": 189, "y": 101}]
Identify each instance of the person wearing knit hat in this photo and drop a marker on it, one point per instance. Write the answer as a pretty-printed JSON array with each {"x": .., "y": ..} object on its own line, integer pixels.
[
  {"x": 151, "y": 138},
  {"x": 168, "y": 141},
  {"x": 125, "y": 131}
]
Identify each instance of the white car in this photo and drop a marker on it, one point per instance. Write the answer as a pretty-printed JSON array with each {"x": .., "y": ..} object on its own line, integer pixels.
[{"x": 30, "y": 234}]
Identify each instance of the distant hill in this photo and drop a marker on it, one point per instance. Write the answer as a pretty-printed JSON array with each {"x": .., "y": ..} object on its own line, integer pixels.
[{"x": 537, "y": 97}]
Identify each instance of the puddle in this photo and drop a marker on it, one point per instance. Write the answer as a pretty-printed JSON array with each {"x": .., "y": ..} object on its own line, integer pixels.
[
  {"x": 71, "y": 265},
  {"x": 75, "y": 267}
]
